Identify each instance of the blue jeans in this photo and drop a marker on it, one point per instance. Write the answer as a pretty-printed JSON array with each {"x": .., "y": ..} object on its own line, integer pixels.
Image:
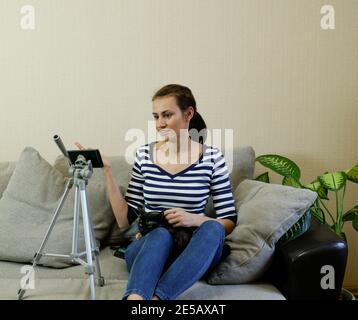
[{"x": 149, "y": 273}]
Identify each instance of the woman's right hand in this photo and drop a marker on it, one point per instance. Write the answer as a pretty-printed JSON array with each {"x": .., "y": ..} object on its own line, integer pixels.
[{"x": 106, "y": 163}]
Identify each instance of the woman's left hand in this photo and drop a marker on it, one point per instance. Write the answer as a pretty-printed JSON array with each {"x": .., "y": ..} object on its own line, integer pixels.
[{"x": 177, "y": 217}]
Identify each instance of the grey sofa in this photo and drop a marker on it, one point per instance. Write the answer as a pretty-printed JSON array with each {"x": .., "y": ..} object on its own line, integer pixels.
[{"x": 286, "y": 281}]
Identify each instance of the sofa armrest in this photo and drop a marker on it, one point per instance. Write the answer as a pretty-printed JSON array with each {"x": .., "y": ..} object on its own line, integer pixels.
[{"x": 298, "y": 268}]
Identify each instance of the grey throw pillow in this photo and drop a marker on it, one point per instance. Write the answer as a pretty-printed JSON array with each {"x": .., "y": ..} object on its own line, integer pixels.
[
  {"x": 26, "y": 210},
  {"x": 27, "y": 206},
  {"x": 6, "y": 170},
  {"x": 265, "y": 213}
]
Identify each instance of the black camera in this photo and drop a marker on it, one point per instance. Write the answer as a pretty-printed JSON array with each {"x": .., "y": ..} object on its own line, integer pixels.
[{"x": 150, "y": 220}]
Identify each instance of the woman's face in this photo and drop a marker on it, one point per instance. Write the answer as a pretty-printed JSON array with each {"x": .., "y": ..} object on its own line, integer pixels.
[{"x": 169, "y": 119}]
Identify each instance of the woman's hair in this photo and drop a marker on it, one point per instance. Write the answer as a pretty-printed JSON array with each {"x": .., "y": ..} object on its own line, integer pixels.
[{"x": 185, "y": 99}]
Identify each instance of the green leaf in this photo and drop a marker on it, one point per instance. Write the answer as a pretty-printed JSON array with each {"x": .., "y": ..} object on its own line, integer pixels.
[
  {"x": 300, "y": 227},
  {"x": 264, "y": 177},
  {"x": 317, "y": 187},
  {"x": 333, "y": 181},
  {"x": 322, "y": 193},
  {"x": 292, "y": 182},
  {"x": 355, "y": 223},
  {"x": 338, "y": 232},
  {"x": 351, "y": 214},
  {"x": 280, "y": 165},
  {"x": 314, "y": 185},
  {"x": 343, "y": 236},
  {"x": 318, "y": 214},
  {"x": 352, "y": 174},
  {"x": 337, "y": 228}
]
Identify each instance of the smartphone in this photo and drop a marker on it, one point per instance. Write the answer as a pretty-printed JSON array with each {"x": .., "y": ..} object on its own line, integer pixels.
[{"x": 93, "y": 155}]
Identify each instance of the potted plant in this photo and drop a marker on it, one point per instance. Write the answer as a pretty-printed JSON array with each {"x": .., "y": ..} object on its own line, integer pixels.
[{"x": 335, "y": 182}]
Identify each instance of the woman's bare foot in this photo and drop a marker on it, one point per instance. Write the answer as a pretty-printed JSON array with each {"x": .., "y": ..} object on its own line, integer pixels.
[{"x": 134, "y": 296}]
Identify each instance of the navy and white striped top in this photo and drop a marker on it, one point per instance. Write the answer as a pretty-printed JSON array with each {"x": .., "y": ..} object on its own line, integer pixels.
[{"x": 155, "y": 189}]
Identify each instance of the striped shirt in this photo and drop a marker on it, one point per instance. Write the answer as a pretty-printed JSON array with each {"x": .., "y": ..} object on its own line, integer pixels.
[{"x": 154, "y": 189}]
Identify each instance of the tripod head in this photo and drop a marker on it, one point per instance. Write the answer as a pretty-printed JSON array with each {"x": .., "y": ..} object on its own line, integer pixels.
[{"x": 80, "y": 167}]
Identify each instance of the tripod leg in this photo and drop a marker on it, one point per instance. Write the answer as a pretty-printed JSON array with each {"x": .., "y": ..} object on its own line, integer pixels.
[
  {"x": 87, "y": 233},
  {"x": 100, "y": 279},
  {"x": 38, "y": 254},
  {"x": 76, "y": 217}
]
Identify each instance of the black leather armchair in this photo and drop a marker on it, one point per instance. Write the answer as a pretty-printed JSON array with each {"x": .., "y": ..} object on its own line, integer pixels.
[{"x": 297, "y": 271}]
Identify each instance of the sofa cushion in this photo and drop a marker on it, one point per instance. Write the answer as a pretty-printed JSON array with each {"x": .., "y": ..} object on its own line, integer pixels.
[
  {"x": 6, "y": 170},
  {"x": 64, "y": 284},
  {"x": 78, "y": 289},
  {"x": 111, "y": 267},
  {"x": 26, "y": 211},
  {"x": 27, "y": 206},
  {"x": 72, "y": 283},
  {"x": 265, "y": 213},
  {"x": 253, "y": 291}
]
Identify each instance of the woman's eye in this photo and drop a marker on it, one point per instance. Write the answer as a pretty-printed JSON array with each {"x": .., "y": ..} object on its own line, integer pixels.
[{"x": 167, "y": 115}]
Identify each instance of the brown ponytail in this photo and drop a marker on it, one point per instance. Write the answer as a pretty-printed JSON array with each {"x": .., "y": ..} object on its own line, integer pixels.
[{"x": 185, "y": 99}]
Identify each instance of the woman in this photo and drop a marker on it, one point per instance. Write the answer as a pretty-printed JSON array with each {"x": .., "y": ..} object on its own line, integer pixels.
[{"x": 176, "y": 175}]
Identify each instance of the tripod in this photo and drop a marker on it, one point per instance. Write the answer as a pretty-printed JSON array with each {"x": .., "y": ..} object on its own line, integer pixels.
[{"x": 80, "y": 172}]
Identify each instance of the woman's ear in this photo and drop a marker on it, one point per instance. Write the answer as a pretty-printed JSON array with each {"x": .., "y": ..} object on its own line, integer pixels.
[{"x": 189, "y": 113}]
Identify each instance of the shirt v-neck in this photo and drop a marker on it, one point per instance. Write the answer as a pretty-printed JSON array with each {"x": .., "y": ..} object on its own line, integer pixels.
[{"x": 151, "y": 149}]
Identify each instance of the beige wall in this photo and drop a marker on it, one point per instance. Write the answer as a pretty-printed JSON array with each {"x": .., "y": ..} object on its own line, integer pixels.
[{"x": 263, "y": 68}]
